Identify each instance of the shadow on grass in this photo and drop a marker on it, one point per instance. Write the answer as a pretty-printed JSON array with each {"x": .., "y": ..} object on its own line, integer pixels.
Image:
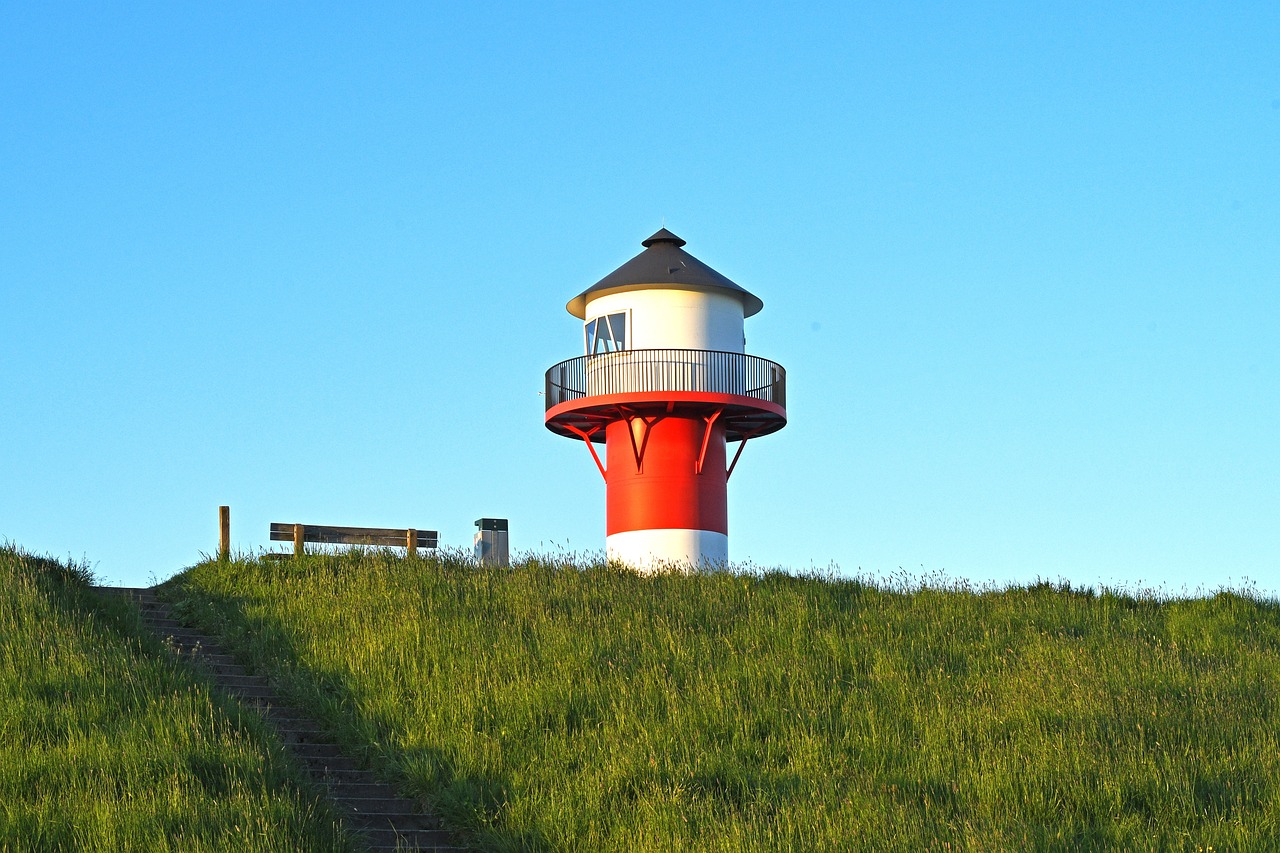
[
  {"x": 101, "y": 708},
  {"x": 469, "y": 805}
]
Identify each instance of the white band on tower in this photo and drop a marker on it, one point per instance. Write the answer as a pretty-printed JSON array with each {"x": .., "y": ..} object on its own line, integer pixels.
[{"x": 651, "y": 550}]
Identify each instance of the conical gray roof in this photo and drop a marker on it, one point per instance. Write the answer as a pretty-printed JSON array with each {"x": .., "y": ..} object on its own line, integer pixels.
[{"x": 663, "y": 264}]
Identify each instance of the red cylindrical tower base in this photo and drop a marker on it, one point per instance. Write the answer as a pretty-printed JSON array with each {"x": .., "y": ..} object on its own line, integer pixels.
[
  {"x": 667, "y": 489},
  {"x": 665, "y": 472}
]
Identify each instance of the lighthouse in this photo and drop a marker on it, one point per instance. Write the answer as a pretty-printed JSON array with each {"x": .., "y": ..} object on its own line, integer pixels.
[{"x": 665, "y": 385}]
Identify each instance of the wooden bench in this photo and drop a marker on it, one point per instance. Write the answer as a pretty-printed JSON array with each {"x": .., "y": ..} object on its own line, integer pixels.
[{"x": 387, "y": 537}]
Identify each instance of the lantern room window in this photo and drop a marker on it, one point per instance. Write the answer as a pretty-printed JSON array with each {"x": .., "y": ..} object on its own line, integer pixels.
[{"x": 607, "y": 333}]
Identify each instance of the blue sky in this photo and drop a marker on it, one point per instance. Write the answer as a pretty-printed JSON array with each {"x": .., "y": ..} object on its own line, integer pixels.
[{"x": 1021, "y": 264}]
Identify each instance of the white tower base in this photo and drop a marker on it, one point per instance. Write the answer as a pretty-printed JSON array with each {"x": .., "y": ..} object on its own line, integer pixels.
[{"x": 655, "y": 550}]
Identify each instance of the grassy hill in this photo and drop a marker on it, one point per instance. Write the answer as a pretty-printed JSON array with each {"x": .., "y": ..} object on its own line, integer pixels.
[
  {"x": 579, "y": 707},
  {"x": 107, "y": 745}
]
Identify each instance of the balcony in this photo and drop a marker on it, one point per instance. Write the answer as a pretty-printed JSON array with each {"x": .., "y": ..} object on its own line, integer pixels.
[{"x": 583, "y": 393}]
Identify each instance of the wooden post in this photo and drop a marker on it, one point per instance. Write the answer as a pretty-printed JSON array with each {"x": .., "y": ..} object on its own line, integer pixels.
[
  {"x": 224, "y": 532},
  {"x": 298, "y": 531},
  {"x": 411, "y": 540}
]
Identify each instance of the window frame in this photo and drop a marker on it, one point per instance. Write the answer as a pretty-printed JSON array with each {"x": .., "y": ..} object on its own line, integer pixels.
[{"x": 592, "y": 339}]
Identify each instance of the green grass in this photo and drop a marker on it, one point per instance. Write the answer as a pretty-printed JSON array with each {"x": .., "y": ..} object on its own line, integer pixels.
[
  {"x": 108, "y": 745},
  {"x": 582, "y": 707}
]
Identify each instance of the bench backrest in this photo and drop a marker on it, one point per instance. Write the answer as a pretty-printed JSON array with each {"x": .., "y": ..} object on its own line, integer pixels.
[{"x": 385, "y": 536}]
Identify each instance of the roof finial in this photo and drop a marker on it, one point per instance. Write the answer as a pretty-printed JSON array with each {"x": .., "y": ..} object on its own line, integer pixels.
[{"x": 662, "y": 236}]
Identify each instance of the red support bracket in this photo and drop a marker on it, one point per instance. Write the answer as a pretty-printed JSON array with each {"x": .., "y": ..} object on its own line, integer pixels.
[
  {"x": 638, "y": 449},
  {"x": 586, "y": 437},
  {"x": 741, "y": 446},
  {"x": 706, "y": 437},
  {"x": 734, "y": 463}
]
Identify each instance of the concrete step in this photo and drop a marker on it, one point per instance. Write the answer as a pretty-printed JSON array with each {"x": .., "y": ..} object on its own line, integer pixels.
[
  {"x": 192, "y": 645},
  {"x": 343, "y": 770},
  {"x": 401, "y": 821},
  {"x": 193, "y": 655},
  {"x": 219, "y": 660},
  {"x": 317, "y": 751},
  {"x": 259, "y": 705},
  {"x": 341, "y": 790},
  {"x": 339, "y": 767},
  {"x": 303, "y": 736},
  {"x": 173, "y": 627},
  {"x": 379, "y": 805},
  {"x": 184, "y": 645},
  {"x": 287, "y": 718},
  {"x": 144, "y": 598},
  {"x": 221, "y": 665},
  {"x": 414, "y": 839},
  {"x": 125, "y": 590},
  {"x": 249, "y": 695},
  {"x": 182, "y": 637},
  {"x": 248, "y": 685}
]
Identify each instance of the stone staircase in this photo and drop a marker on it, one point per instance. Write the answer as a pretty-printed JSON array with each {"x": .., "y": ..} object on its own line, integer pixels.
[{"x": 373, "y": 813}]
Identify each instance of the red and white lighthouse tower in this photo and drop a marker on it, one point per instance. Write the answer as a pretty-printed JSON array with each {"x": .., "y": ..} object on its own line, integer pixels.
[{"x": 664, "y": 386}]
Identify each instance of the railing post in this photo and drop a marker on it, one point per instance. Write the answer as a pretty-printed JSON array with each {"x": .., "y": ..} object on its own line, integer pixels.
[
  {"x": 299, "y": 536},
  {"x": 224, "y": 532},
  {"x": 411, "y": 542}
]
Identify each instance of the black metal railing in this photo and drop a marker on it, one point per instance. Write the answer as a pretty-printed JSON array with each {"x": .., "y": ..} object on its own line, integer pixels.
[{"x": 639, "y": 370}]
